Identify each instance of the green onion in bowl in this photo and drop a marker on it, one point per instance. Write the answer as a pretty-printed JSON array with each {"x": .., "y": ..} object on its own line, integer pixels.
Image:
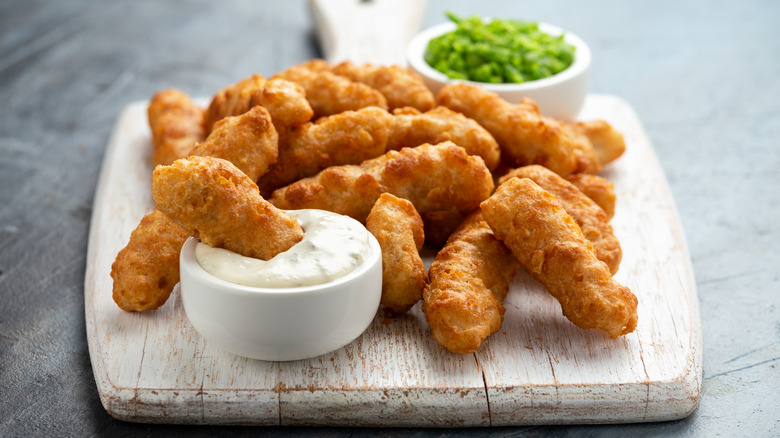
[{"x": 498, "y": 51}]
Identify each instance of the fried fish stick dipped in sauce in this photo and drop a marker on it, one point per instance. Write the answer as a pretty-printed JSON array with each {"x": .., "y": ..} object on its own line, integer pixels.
[
  {"x": 399, "y": 230},
  {"x": 217, "y": 203},
  {"x": 597, "y": 188},
  {"x": 608, "y": 143},
  {"x": 442, "y": 181},
  {"x": 400, "y": 86},
  {"x": 411, "y": 128},
  {"x": 524, "y": 135},
  {"x": 177, "y": 125},
  {"x": 147, "y": 269},
  {"x": 350, "y": 137},
  {"x": 469, "y": 280},
  {"x": 329, "y": 93},
  {"x": 591, "y": 219},
  {"x": 284, "y": 100},
  {"x": 249, "y": 141},
  {"x": 551, "y": 247}
]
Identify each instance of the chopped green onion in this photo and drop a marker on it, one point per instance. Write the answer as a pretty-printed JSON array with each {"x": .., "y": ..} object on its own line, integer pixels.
[{"x": 499, "y": 51}]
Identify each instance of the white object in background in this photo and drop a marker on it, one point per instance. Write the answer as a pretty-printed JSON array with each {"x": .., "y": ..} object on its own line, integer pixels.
[
  {"x": 560, "y": 96},
  {"x": 370, "y": 31}
]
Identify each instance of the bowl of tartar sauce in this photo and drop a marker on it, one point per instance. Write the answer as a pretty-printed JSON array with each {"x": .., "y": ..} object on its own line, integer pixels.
[{"x": 310, "y": 300}]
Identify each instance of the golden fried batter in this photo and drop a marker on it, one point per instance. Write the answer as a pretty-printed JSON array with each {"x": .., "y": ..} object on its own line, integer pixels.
[
  {"x": 607, "y": 141},
  {"x": 524, "y": 135},
  {"x": 346, "y": 138},
  {"x": 284, "y": 100},
  {"x": 176, "y": 123},
  {"x": 147, "y": 269},
  {"x": 599, "y": 189},
  {"x": 551, "y": 247},
  {"x": 442, "y": 181},
  {"x": 249, "y": 141},
  {"x": 400, "y": 86},
  {"x": 410, "y": 129},
  {"x": 217, "y": 203},
  {"x": 592, "y": 220},
  {"x": 347, "y": 190},
  {"x": 469, "y": 280},
  {"x": 399, "y": 230},
  {"x": 329, "y": 93}
]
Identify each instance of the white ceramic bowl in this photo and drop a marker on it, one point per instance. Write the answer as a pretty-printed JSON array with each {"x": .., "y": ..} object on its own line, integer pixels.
[
  {"x": 560, "y": 96},
  {"x": 281, "y": 324}
]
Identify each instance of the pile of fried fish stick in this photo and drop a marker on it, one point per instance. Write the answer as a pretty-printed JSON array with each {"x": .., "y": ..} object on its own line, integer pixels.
[{"x": 491, "y": 186}]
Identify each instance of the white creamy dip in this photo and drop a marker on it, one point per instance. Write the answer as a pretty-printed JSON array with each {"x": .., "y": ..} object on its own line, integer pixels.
[{"x": 333, "y": 245}]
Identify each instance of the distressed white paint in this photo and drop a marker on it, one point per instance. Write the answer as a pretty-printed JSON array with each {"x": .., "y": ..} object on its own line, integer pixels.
[
  {"x": 376, "y": 31},
  {"x": 539, "y": 369}
]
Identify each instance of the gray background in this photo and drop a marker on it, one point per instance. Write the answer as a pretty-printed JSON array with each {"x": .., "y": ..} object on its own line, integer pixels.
[{"x": 702, "y": 76}]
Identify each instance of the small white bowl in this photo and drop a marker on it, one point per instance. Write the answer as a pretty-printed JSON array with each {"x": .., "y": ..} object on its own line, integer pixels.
[
  {"x": 281, "y": 324},
  {"x": 560, "y": 96}
]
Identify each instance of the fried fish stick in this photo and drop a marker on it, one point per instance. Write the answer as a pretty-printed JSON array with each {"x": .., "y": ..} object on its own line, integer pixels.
[
  {"x": 442, "y": 181},
  {"x": 217, "y": 203},
  {"x": 147, "y": 269},
  {"x": 399, "y": 230},
  {"x": 524, "y": 135},
  {"x": 400, "y": 86},
  {"x": 284, "y": 100},
  {"x": 249, "y": 141},
  {"x": 350, "y": 137},
  {"x": 329, "y": 93},
  {"x": 347, "y": 190},
  {"x": 608, "y": 142},
  {"x": 597, "y": 188},
  {"x": 551, "y": 247},
  {"x": 591, "y": 219},
  {"x": 176, "y": 123},
  {"x": 469, "y": 280},
  {"x": 442, "y": 124}
]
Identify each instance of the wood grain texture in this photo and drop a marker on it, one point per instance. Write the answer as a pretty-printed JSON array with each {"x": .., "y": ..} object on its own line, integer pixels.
[{"x": 539, "y": 369}]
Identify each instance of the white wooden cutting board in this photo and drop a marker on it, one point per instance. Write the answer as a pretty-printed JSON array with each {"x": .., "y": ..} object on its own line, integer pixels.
[{"x": 539, "y": 369}]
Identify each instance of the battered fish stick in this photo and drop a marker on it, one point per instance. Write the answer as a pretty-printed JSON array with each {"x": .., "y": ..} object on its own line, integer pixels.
[
  {"x": 607, "y": 141},
  {"x": 592, "y": 220},
  {"x": 329, "y": 93},
  {"x": 217, "y": 203},
  {"x": 442, "y": 181},
  {"x": 411, "y": 129},
  {"x": 399, "y": 230},
  {"x": 469, "y": 280},
  {"x": 249, "y": 141},
  {"x": 599, "y": 189},
  {"x": 400, "y": 86},
  {"x": 147, "y": 269},
  {"x": 176, "y": 123},
  {"x": 524, "y": 135},
  {"x": 350, "y": 137},
  {"x": 284, "y": 100},
  {"x": 551, "y": 247}
]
